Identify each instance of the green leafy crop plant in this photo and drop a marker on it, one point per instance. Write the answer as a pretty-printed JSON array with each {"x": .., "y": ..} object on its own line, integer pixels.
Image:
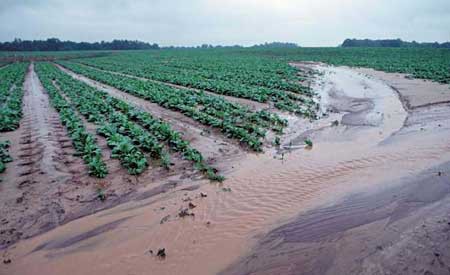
[
  {"x": 11, "y": 94},
  {"x": 255, "y": 78},
  {"x": 234, "y": 120},
  {"x": 129, "y": 131},
  {"x": 83, "y": 142},
  {"x": 12, "y": 78}
]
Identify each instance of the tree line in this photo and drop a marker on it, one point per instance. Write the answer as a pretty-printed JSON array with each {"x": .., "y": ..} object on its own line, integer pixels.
[
  {"x": 393, "y": 43},
  {"x": 266, "y": 45},
  {"x": 54, "y": 44}
]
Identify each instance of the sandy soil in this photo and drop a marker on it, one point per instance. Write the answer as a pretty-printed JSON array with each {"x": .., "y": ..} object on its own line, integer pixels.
[
  {"x": 357, "y": 190},
  {"x": 404, "y": 229},
  {"x": 414, "y": 92}
]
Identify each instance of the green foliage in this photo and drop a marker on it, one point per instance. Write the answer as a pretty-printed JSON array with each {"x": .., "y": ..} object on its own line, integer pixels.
[
  {"x": 432, "y": 64},
  {"x": 234, "y": 120},
  {"x": 246, "y": 76},
  {"x": 4, "y": 155},
  {"x": 97, "y": 167},
  {"x": 11, "y": 94},
  {"x": 213, "y": 176},
  {"x": 130, "y": 132},
  {"x": 83, "y": 142},
  {"x": 308, "y": 143},
  {"x": 277, "y": 141}
]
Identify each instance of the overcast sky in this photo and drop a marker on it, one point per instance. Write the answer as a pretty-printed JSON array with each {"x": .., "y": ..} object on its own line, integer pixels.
[{"x": 245, "y": 22}]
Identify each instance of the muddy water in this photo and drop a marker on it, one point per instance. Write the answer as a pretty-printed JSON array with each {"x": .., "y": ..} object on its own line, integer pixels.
[{"x": 368, "y": 152}]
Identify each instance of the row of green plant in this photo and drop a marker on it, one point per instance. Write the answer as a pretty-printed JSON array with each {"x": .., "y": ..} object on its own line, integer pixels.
[
  {"x": 424, "y": 63},
  {"x": 4, "y": 155},
  {"x": 84, "y": 143},
  {"x": 234, "y": 120},
  {"x": 227, "y": 65},
  {"x": 11, "y": 94},
  {"x": 127, "y": 129},
  {"x": 211, "y": 104},
  {"x": 245, "y": 69},
  {"x": 211, "y": 81}
]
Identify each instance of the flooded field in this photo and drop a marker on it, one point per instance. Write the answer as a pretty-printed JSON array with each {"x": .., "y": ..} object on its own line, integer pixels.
[{"x": 370, "y": 196}]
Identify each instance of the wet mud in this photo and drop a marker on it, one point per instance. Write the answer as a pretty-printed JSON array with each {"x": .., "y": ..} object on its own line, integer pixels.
[
  {"x": 43, "y": 164},
  {"x": 67, "y": 242},
  {"x": 323, "y": 240}
]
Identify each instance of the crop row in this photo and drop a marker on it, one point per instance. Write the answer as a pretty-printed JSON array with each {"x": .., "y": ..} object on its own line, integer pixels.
[
  {"x": 234, "y": 120},
  {"x": 129, "y": 155},
  {"x": 11, "y": 94},
  {"x": 211, "y": 105},
  {"x": 130, "y": 133},
  {"x": 249, "y": 70},
  {"x": 244, "y": 68},
  {"x": 211, "y": 81},
  {"x": 83, "y": 142}
]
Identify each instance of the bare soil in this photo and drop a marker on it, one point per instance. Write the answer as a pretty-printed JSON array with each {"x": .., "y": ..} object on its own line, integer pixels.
[
  {"x": 414, "y": 92},
  {"x": 43, "y": 167}
]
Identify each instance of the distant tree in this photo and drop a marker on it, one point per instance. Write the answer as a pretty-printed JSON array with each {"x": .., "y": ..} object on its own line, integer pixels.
[{"x": 276, "y": 45}]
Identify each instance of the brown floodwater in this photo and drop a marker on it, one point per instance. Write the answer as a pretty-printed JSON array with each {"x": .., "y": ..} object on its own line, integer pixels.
[{"x": 371, "y": 147}]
